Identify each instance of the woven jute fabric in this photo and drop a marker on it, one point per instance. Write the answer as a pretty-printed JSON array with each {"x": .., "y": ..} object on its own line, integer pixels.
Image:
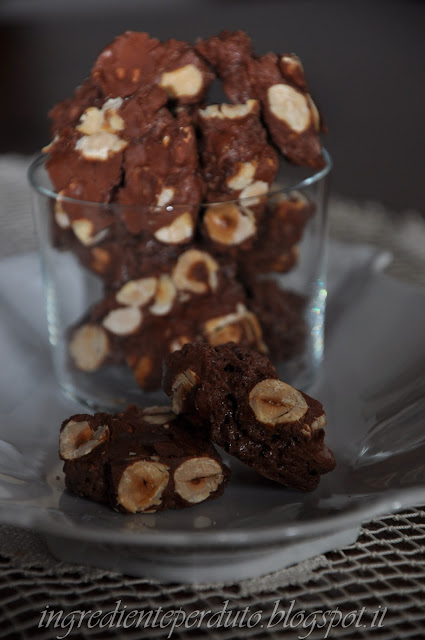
[{"x": 382, "y": 573}]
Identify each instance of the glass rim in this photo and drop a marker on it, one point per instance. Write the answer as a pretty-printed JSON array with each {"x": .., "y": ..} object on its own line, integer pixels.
[{"x": 41, "y": 158}]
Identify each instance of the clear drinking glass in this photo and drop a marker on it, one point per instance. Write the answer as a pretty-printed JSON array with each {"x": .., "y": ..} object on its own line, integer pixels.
[{"x": 88, "y": 262}]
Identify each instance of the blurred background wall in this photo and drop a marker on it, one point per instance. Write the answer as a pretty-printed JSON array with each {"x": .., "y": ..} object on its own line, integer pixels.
[{"x": 364, "y": 60}]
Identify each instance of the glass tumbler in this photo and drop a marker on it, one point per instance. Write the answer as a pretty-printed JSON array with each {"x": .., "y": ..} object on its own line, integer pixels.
[{"x": 122, "y": 293}]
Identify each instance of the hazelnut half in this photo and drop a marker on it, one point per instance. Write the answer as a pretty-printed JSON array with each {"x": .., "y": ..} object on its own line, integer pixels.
[
  {"x": 195, "y": 271},
  {"x": 226, "y": 224},
  {"x": 100, "y": 146},
  {"x": 231, "y": 111},
  {"x": 241, "y": 325},
  {"x": 123, "y": 321},
  {"x": 141, "y": 486},
  {"x": 136, "y": 293},
  {"x": 61, "y": 217},
  {"x": 275, "y": 402},
  {"x": 182, "y": 82},
  {"x": 252, "y": 192},
  {"x": 84, "y": 230},
  {"x": 181, "y": 387},
  {"x": 94, "y": 120},
  {"x": 101, "y": 259},
  {"x": 158, "y": 415},
  {"x": 89, "y": 347},
  {"x": 164, "y": 197},
  {"x": 180, "y": 230},
  {"x": 178, "y": 343},
  {"x": 164, "y": 296},
  {"x": 243, "y": 176},
  {"x": 290, "y": 106},
  {"x": 197, "y": 478},
  {"x": 77, "y": 439},
  {"x": 142, "y": 368}
]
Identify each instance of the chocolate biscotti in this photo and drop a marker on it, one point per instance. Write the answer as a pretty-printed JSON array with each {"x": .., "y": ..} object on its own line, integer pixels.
[
  {"x": 233, "y": 395},
  {"x": 140, "y": 460},
  {"x": 178, "y": 205}
]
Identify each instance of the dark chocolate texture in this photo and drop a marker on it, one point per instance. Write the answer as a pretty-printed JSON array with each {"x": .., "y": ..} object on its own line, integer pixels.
[
  {"x": 144, "y": 460},
  {"x": 233, "y": 396}
]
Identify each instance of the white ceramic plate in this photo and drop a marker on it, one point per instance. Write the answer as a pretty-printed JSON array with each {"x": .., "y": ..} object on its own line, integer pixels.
[{"x": 373, "y": 390}]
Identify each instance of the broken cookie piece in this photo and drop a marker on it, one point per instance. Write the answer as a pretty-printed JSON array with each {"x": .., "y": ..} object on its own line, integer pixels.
[
  {"x": 85, "y": 167},
  {"x": 129, "y": 62},
  {"x": 133, "y": 152},
  {"x": 134, "y": 60},
  {"x": 192, "y": 392},
  {"x": 234, "y": 149},
  {"x": 163, "y": 188},
  {"x": 83, "y": 445},
  {"x": 289, "y": 112},
  {"x": 146, "y": 318},
  {"x": 238, "y": 167},
  {"x": 128, "y": 322},
  {"x": 140, "y": 460},
  {"x": 279, "y": 83},
  {"x": 229, "y": 54},
  {"x": 234, "y": 396},
  {"x": 184, "y": 74}
]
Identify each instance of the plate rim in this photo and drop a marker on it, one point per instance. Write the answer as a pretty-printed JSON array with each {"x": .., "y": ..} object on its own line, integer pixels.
[{"x": 391, "y": 502}]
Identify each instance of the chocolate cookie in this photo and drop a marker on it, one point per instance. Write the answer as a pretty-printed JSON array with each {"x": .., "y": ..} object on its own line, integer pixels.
[
  {"x": 233, "y": 396},
  {"x": 194, "y": 393},
  {"x": 134, "y": 60},
  {"x": 289, "y": 112},
  {"x": 139, "y": 112},
  {"x": 129, "y": 62},
  {"x": 127, "y": 326},
  {"x": 184, "y": 74},
  {"x": 163, "y": 188},
  {"x": 145, "y": 168},
  {"x": 229, "y": 54},
  {"x": 279, "y": 83},
  {"x": 140, "y": 460},
  {"x": 238, "y": 167},
  {"x": 147, "y": 318},
  {"x": 83, "y": 445},
  {"x": 85, "y": 165},
  {"x": 234, "y": 150}
]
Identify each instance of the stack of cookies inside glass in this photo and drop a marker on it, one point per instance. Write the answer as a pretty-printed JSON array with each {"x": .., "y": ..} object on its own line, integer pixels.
[{"x": 167, "y": 199}]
